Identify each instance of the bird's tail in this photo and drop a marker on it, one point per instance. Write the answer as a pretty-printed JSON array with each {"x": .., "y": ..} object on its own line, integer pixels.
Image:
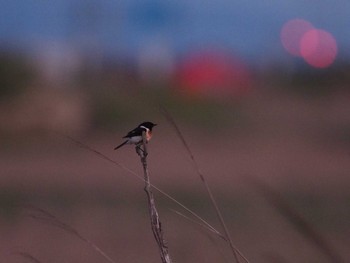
[{"x": 120, "y": 145}]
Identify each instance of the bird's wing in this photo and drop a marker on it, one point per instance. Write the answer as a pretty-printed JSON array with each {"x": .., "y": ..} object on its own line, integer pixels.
[{"x": 135, "y": 132}]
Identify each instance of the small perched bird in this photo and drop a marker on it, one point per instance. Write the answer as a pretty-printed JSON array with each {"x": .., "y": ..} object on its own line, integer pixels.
[{"x": 135, "y": 136}]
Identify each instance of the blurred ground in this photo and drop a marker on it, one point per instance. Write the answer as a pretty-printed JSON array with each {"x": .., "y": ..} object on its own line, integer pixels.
[{"x": 298, "y": 145}]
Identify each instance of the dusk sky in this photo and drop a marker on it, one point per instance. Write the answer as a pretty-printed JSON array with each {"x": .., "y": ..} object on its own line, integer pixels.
[{"x": 250, "y": 28}]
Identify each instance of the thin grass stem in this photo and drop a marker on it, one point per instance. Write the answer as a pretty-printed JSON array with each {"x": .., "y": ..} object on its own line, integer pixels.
[
  {"x": 45, "y": 217},
  {"x": 300, "y": 223},
  {"x": 235, "y": 250}
]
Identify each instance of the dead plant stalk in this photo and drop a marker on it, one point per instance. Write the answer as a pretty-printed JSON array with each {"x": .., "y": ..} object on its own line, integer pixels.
[{"x": 153, "y": 213}]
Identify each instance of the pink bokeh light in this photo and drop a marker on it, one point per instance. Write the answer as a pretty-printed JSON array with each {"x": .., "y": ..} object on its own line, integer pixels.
[
  {"x": 291, "y": 34},
  {"x": 318, "y": 48}
]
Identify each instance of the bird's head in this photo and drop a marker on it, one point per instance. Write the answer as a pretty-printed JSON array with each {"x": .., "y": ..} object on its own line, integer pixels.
[{"x": 149, "y": 125}]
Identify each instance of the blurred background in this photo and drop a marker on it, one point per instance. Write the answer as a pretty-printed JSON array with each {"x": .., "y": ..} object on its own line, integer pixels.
[{"x": 258, "y": 88}]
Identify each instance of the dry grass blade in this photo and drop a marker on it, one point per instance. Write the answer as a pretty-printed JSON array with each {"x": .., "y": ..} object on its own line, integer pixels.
[
  {"x": 104, "y": 157},
  {"x": 198, "y": 223},
  {"x": 171, "y": 120},
  {"x": 28, "y": 256},
  {"x": 203, "y": 227},
  {"x": 297, "y": 220},
  {"x": 45, "y": 217}
]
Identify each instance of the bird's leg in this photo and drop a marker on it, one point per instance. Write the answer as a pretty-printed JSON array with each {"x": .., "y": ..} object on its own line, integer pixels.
[{"x": 138, "y": 149}]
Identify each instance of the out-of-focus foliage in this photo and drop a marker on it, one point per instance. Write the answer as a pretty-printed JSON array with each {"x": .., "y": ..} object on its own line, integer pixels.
[{"x": 15, "y": 74}]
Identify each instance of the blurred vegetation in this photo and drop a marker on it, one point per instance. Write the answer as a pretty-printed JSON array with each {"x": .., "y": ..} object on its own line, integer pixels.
[
  {"x": 118, "y": 95},
  {"x": 321, "y": 82},
  {"x": 15, "y": 74},
  {"x": 115, "y": 93},
  {"x": 309, "y": 82}
]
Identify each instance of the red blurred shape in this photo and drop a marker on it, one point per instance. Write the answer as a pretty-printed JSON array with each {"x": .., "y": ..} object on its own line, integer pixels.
[
  {"x": 318, "y": 48},
  {"x": 292, "y": 33},
  {"x": 213, "y": 73}
]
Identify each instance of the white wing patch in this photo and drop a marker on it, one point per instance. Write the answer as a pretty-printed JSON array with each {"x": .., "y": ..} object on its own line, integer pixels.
[{"x": 135, "y": 139}]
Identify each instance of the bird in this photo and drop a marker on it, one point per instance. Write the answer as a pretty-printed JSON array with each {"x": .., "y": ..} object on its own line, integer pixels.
[{"x": 135, "y": 136}]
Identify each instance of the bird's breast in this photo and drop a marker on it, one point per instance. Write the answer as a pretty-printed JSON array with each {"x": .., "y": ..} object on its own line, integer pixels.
[{"x": 148, "y": 135}]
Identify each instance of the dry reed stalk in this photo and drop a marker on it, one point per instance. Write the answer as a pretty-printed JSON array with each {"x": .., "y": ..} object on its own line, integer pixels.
[
  {"x": 153, "y": 213},
  {"x": 299, "y": 222},
  {"x": 235, "y": 251}
]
